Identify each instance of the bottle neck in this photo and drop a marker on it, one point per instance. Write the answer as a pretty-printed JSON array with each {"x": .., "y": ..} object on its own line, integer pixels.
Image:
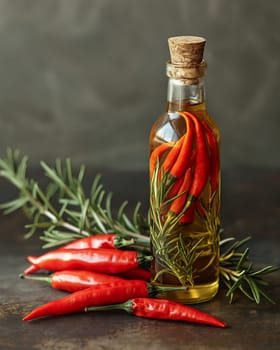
[{"x": 182, "y": 96}]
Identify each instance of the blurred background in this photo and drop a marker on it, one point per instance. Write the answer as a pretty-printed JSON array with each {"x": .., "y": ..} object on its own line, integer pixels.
[{"x": 86, "y": 78}]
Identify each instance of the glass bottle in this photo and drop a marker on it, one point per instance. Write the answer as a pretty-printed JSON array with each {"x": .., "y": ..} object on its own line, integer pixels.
[{"x": 185, "y": 181}]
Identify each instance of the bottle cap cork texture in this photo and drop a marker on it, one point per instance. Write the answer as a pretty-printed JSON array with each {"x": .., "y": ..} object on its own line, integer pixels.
[{"x": 186, "y": 50}]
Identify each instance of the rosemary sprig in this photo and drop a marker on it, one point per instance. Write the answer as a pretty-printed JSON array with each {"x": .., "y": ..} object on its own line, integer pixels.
[
  {"x": 63, "y": 211},
  {"x": 238, "y": 273},
  {"x": 175, "y": 253}
]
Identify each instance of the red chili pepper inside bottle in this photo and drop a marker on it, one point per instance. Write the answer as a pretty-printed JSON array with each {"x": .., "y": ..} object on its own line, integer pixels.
[{"x": 185, "y": 180}]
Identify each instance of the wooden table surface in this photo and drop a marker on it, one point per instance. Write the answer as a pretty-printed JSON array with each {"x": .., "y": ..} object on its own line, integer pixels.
[{"x": 251, "y": 206}]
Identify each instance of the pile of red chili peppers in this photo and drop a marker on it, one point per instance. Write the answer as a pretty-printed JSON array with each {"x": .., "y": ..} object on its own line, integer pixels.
[{"x": 98, "y": 275}]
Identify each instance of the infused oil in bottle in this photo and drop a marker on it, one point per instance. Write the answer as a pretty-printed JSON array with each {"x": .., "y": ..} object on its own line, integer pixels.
[{"x": 185, "y": 181}]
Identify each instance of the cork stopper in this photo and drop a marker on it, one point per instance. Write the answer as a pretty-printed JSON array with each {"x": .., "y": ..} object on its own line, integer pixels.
[{"x": 186, "y": 51}]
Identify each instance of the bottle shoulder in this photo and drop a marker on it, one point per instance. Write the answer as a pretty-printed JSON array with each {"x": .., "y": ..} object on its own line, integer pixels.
[
  {"x": 170, "y": 126},
  {"x": 167, "y": 128}
]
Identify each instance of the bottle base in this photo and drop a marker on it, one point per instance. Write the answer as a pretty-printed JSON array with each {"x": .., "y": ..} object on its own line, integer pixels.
[{"x": 193, "y": 295}]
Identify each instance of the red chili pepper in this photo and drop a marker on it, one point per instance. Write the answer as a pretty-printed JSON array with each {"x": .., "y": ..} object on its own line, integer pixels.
[
  {"x": 179, "y": 187},
  {"x": 31, "y": 269},
  {"x": 183, "y": 160},
  {"x": 157, "y": 154},
  {"x": 189, "y": 214},
  {"x": 111, "y": 261},
  {"x": 201, "y": 166},
  {"x": 178, "y": 203},
  {"x": 137, "y": 274},
  {"x": 163, "y": 309},
  {"x": 175, "y": 188},
  {"x": 214, "y": 157},
  {"x": 201, "y": 209},
  {"x": 173, "y": 155},
  {"x": 103, "y": 294},
  {"x": 193, "y": 185},
  {"x": 99, "y": 241},
  {"x": 74, "y": 280}
]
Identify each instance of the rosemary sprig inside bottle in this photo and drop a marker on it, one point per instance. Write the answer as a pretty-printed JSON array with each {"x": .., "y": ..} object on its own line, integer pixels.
[
  {"x": 174, "y": 255},
  {"x": 64, "y": 213}
]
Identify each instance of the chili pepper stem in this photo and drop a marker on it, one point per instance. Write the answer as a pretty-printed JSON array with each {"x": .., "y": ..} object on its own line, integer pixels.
[
  {"x": 185, "y": 208},
  {"x": 36, "y": 278},
  {"x": 142, "y": 242},
  {"x": 144, "y": 260},
  {"x": 122, "y": 242},
  {"x": 126, "y": 306},
  {"x": 154, "y": 289}
]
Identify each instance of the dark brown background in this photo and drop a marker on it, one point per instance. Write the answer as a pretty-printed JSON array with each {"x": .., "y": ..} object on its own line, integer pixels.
[{"x": 86, "y": 78}]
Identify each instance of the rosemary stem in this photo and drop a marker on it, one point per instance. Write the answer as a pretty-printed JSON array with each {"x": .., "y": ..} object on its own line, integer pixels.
[
  {"x": 226, "y": 257},
  {"x": 73, "y": 228},
  {"x": 39, "y": 205},
  {"x": 52, "y": 216},
  {"x": 122, "y": 230},
  {"x": 49, "y": 215},
  {"x": 229, "y": 271}
]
